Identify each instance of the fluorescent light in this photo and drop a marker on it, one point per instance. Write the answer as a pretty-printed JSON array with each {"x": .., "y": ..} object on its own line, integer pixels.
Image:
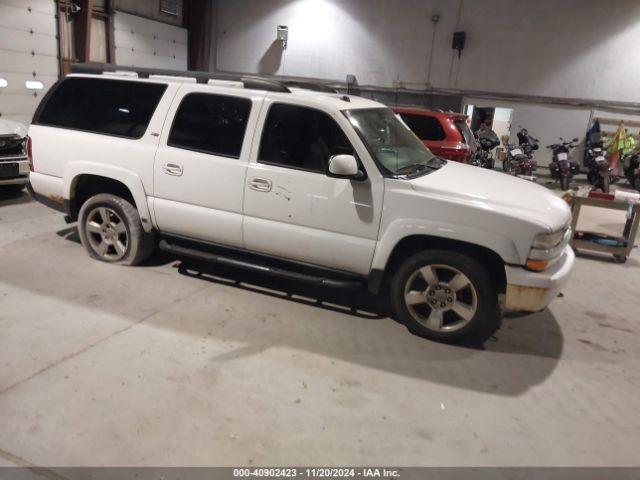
[
  {"x": 34, "y": 85},
  {"x": 3, "y": 83}
]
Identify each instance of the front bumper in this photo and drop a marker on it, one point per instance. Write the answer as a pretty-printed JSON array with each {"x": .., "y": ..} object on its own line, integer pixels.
[
  {"x": 529, "y": 291},
  {"x": 23, "y": 171}
]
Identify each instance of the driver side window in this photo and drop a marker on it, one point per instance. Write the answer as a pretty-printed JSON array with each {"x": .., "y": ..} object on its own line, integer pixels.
[{"x": 301, "y": 138}]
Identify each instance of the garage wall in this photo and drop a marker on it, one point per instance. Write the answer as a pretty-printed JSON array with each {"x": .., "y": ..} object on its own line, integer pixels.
[
  {"x": 543, "y": 47},
  {"x": 141, "y": 42},
  {"x": 545, "y": 122},
  {"x": 28, "y": 52},
  {"x": 150, "y": 9}
]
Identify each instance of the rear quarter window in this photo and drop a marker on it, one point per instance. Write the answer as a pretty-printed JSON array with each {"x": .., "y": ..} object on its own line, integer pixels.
[
  {"x": 425, "y": 127},
  {"x": 111, "y": 107}
]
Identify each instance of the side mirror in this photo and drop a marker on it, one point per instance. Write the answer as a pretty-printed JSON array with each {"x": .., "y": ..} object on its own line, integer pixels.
[{"x": 344, "y": 166}]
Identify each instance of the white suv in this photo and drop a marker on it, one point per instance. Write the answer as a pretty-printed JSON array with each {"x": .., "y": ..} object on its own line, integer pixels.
[{"x": 320, "y": 187}]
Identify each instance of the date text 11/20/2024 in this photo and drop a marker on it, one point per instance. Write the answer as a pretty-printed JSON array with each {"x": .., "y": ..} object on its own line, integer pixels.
[{"x": 316, "y": 472}]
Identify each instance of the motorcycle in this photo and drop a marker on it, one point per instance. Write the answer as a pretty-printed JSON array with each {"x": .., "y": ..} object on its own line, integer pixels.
[
  {"x": 600, "y": 173},
  {"x": 561, "y": 167},
  {"x": 631, "y": 163},
  {"x": 516, "y": 161},
  {"x": 486, "y": 140},
  {"x": 528, "y": 143}
]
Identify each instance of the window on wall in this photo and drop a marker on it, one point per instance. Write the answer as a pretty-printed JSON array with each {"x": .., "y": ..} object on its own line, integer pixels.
[
  {"x": 209, "y": 123},
  {"x": 301, "y": 138},
  {"x": 113, "y": 107},
  {"x": 425, "y": 128}
]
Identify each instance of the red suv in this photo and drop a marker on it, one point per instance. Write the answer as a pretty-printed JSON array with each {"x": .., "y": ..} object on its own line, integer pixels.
[{"x": 447, "y": 135}]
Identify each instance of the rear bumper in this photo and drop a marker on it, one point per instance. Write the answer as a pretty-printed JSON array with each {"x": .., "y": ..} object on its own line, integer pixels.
[{"x": 532, "y": 291}]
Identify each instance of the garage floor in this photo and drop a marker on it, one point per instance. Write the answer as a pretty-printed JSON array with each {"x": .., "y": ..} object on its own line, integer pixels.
[{"x": 167, "y": 365}]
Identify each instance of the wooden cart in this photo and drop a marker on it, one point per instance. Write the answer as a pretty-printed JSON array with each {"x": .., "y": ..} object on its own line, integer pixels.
[{"x": 586, "y": 240}]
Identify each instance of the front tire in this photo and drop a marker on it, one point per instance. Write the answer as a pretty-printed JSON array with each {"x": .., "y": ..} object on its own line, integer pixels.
[
  {"x": 445, "y": 296},
  {"x": 111, "y": 231}
]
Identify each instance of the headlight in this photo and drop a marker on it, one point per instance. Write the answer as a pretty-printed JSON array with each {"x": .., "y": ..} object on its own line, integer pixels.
[
  {"x": 546, "y": 248},
  {"x": 546, "y": 241}
]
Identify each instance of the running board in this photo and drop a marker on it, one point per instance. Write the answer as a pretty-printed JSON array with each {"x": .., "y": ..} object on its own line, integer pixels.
[{"x": 218, "y": 259}]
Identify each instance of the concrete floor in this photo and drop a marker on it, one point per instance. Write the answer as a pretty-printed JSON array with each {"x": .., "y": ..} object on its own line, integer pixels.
[{"x": 160, "y": 365}]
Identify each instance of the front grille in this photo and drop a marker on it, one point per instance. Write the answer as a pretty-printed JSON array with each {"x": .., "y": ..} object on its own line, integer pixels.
[{"x": 11, "y": 146}]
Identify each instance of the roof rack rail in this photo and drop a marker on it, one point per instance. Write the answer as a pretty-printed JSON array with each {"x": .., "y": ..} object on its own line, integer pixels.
[
  {"x": 250, "y": 82},
  {"x": 316, "y": 87}
]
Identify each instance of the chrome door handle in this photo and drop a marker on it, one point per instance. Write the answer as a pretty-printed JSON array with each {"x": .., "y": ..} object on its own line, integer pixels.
[
  {"x": 172, "y": 169},
  {"x": 260, "y": 184}
]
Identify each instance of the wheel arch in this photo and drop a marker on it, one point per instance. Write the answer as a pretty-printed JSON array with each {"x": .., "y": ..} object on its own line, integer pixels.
[
  {"x": 83, "y": 180},
  {"x": 413, "y": 244}
]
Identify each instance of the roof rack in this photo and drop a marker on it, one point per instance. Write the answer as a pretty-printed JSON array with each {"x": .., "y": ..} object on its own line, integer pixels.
[
  {"x": 316, "y": 87},
  {"x": 250, "y": 82}
]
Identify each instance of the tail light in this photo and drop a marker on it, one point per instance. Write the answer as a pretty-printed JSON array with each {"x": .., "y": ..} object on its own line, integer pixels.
[
  {"x": 457, "y": 154},
  {"x": 30, "y": 153}
]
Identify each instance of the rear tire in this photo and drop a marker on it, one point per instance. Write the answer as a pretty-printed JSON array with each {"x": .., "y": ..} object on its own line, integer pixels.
[
  {"x": 506, "y": 166},
  {"x": 445, "y": 296},
  {"x": 564, "y": 182},
  {"x": 606, "y": 181},
  {"x": 111, "y": 231}
]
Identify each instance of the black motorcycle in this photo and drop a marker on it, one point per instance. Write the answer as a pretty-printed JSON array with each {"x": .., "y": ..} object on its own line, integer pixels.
[
  {"x": 486, "y": 140},
  {"x": 631, "y": 163},
  {"x": 561, "y": 166},
  {"x": 528, "y": 143},
  {"x": 600, "y": 173}
]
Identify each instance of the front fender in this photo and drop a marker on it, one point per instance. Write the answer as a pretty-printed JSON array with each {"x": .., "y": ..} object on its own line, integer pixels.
[
  {"x": 402, "y": 228},
  {"x": 132, "y": 181}
]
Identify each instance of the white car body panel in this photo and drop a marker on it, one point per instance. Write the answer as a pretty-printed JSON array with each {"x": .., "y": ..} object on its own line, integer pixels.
[
  {"x": 308, "y": 216},
  {"x": 9, "y": 127},
  {"x": 205, "y": 200}
]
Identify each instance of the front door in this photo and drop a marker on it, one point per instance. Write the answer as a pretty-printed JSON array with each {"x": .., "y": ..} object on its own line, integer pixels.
[
  {"x": 201, "y": 163},
  {"x": 292, "y": 208}
]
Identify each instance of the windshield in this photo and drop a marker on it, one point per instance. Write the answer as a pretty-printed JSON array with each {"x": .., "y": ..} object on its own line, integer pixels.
[{"x": 391, "y": 142}]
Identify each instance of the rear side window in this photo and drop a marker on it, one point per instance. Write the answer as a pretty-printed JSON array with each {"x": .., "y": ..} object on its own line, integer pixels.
[
  {"x": 209, "y": 123},
  {"x": 111, "y": 107},
  {"x": 301, "y": 138},
  {"x": 425, "y": 128}
]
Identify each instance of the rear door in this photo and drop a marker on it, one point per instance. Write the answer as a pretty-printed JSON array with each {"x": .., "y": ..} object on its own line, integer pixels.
[
  {"x": 201, "y": 163},
  {"x": 292, "y": 208}
]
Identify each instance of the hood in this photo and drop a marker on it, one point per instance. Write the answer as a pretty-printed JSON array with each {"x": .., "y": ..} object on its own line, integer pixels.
[
  {"x": 486, "y": 189},
  {"x": 9, "y": 127}
]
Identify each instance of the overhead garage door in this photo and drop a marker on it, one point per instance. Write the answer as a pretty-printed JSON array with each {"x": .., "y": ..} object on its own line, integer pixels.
[
  {"x": 28, "y": 53},
  {"x": 140, "y": 42}
]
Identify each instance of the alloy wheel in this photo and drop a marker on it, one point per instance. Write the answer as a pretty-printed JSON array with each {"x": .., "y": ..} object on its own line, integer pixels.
[
  {"x": 107, "y": 233},
  {"x": 441, "y": 298}
]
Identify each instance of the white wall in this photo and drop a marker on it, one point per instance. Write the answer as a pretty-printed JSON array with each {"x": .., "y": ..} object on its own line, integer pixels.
[{"x": 568, "y": 48}]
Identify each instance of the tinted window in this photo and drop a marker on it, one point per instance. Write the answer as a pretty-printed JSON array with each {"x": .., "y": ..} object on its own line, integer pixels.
[
  {"x": 112, "y": 107},
  {"x": 211, "y": 123},
  {"x": 425, "y": 128},
  {"x": 300, "y": 137}
]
